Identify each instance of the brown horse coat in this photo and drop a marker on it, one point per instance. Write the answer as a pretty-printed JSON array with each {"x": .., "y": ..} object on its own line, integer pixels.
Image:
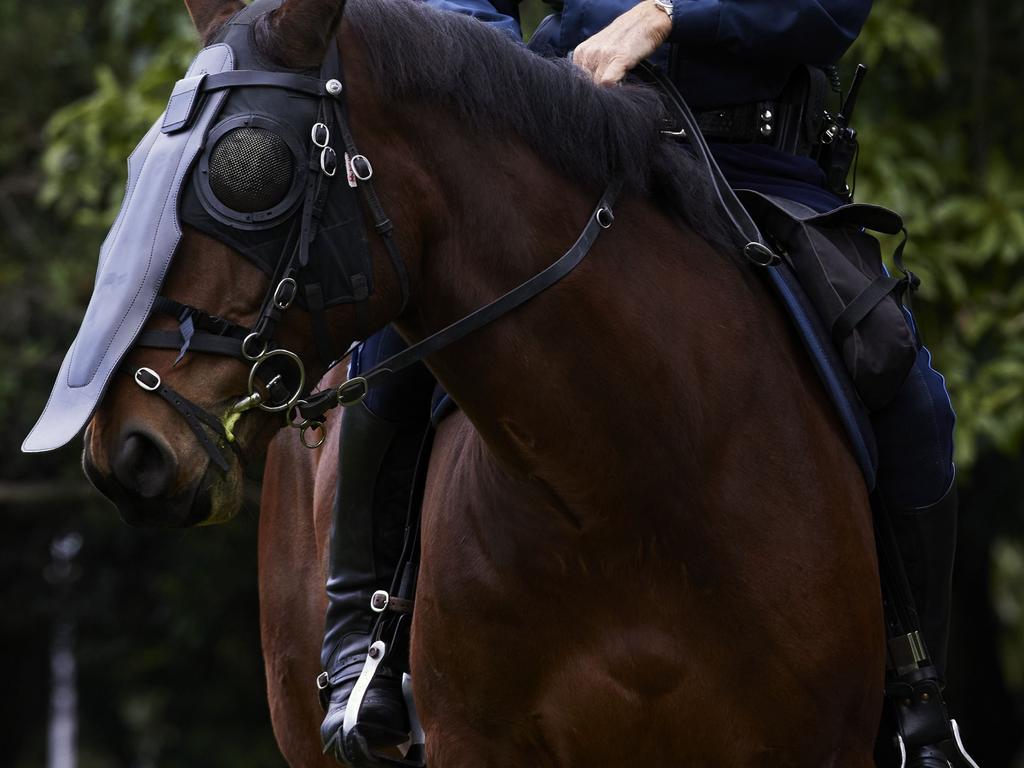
[{"x": 644, "y": 539}]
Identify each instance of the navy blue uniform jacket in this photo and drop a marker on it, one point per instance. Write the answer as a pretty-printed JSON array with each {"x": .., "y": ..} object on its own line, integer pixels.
[
  {"x": 729, "y": 52},
  {"x": 732, "y": 51}
]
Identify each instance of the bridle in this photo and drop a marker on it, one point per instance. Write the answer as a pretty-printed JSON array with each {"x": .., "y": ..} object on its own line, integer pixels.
[{"x": 277, "y": 377}]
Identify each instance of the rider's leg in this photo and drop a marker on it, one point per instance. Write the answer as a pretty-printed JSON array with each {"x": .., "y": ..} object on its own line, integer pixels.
[
  {"x": 916, "y": 482},
  {"x": 380, "y": 442}
]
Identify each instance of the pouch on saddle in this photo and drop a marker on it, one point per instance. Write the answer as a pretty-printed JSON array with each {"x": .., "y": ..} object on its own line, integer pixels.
[{"x": 840, "y": 268}]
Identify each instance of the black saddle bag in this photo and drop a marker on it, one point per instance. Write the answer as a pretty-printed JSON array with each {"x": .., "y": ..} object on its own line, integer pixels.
[{"x": 840, "y": 268}]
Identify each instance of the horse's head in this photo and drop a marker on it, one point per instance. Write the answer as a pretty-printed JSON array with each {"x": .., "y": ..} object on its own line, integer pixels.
[
  {"x": 140, "y": 451},
  {"x": 238, "y": 270}
]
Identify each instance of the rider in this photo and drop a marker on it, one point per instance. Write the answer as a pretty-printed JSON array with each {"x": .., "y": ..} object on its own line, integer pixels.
[{"x": 730, "y": 56}]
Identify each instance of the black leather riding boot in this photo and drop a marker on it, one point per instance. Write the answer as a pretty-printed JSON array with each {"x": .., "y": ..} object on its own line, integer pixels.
[
  {"x": 927, "y": 542},
  {"x": 377, "y": 464}
]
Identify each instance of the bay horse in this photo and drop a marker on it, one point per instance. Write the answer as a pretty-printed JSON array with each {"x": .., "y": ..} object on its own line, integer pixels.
[{"x": 645, "y": 540}]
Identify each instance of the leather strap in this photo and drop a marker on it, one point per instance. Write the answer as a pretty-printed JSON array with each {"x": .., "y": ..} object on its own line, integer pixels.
[
  {"x": 195, "y": 417},
  {"x": 201, "y": 342},
  {"x": 201, "y": 319},
  {"x": 866, "y": 301},
  {"x": 238, "y": 78},
  {"x": 354, "y": 390},
  {"x": 741, "y": 221}
]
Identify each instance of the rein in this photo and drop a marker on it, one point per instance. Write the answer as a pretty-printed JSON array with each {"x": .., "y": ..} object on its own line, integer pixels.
[
  {"x": 356, "y": 389},
  {"x": 273, "y": 366}
]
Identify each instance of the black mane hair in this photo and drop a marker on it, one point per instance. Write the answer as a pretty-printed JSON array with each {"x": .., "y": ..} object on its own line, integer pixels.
[{"x": 496, "y": 85}]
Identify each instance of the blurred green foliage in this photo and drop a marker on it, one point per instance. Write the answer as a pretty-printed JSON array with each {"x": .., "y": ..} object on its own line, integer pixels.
[
  {"x": 163, "y": 614},
  {"x": 931, "y": 156}
]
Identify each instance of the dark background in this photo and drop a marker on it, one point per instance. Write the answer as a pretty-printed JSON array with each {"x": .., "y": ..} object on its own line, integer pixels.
[{"x": 166, "y": 633}]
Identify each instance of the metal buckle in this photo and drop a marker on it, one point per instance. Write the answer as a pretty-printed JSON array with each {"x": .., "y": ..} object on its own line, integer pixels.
[
  {"x": 362, "y": 169},
  {"x": 245, "y": 348},
  {"x": 287, "y": 301},
  {"x": 353, "y": 391},
  {"x": 760, "y": 254},
  {"x": 604, "y": 217},
  {"x": 323, "y": 681},
  {"x": 379, "y": 601},
  {"x": 320, "y": 134},
  {"x": 328, "y": 161},
  {"x": 152, "y": 387},
  {"x": 312, "y": 425}
]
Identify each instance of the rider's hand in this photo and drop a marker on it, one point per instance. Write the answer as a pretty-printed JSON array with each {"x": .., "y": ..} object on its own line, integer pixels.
[{"x": 631, "y": 38}]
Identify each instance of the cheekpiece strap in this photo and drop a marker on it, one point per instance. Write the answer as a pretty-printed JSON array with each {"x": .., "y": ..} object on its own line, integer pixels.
[
  {"x": 195, "y": 417},
  {"x": 249, "y": 78}
]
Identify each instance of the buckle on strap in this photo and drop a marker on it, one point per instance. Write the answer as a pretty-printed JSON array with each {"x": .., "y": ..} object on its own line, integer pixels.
[
  {"x": 381, "y": 601},
  {"x": 760, "y": 254},
  {"x": 353, "y": 391},
  {"x": 323, "y": 690},
  {"x": 148, "y": 379}
]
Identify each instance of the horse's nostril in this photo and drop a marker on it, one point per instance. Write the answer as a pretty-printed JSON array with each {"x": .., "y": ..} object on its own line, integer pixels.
[{"x": 144, "y": 465}]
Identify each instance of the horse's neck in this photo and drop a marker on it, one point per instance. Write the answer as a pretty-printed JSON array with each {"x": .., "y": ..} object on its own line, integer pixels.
[{"x": 599, "y": 361}]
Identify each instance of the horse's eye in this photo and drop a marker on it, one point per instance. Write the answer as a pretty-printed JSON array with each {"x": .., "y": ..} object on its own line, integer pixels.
[{"x": 251, "y": 169}]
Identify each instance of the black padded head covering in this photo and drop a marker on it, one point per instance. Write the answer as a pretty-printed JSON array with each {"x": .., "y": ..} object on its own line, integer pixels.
[
  {"x": 250, "y": 181},
  {"x": 214, "y": 160}
]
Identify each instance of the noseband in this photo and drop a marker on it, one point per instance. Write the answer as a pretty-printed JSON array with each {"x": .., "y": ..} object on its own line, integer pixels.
[{"x": 277, "y": 378}]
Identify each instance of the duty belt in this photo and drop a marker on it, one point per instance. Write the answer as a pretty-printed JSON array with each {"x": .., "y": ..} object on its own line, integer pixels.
[
  {"x": 792, "y": 122},
  {"x": 764, "y": 122}
]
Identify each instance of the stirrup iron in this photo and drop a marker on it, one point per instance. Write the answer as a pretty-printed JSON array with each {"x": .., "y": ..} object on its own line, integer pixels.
[
  {"x": 353, "y": 746},
  {"x": 957, "y": 756}
]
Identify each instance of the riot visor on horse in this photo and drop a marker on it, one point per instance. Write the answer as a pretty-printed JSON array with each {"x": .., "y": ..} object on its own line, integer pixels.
[{"x": 646, "y": 502}]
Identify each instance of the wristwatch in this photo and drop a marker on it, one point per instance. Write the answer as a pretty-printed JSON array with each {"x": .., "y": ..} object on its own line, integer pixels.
[{"x": 665, "y": 5}]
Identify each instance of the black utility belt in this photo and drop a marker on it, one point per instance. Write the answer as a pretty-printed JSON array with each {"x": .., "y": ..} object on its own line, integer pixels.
[
  {"x": 795, "y": 122},
  {"x": 771, "y": 123}
]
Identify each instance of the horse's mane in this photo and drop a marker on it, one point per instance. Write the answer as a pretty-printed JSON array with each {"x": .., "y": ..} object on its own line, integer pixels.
[{"x": 496, "y": 85}]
